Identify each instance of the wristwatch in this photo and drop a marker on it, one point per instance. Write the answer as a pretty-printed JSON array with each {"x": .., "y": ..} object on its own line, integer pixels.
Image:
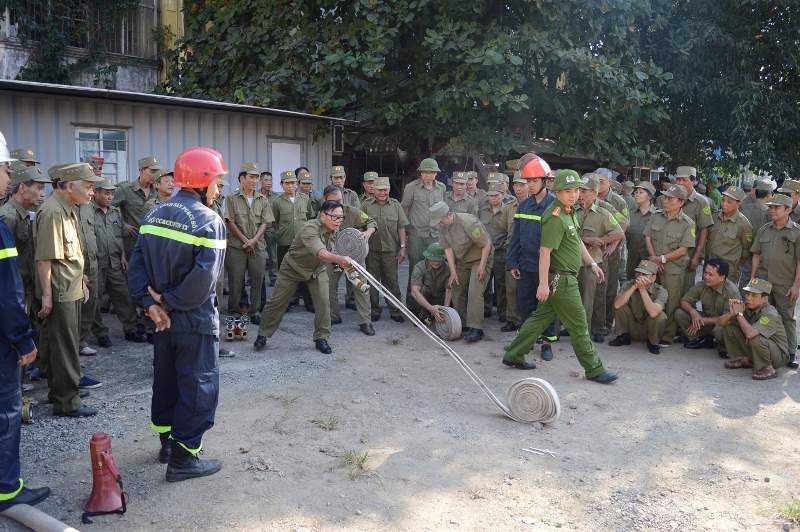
[
  {"x": 593, "y": 264},
  {"x": 402, "y": 245},
  {"x": 663, "y": 259},
  {"x": 740, "y": 314}
]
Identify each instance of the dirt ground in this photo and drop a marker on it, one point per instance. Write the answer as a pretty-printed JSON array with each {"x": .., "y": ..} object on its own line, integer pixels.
[{"x": 677, "y": 443}]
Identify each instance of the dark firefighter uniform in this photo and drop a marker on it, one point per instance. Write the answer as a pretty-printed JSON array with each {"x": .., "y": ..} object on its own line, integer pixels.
[{"x": 179, "y": 253}]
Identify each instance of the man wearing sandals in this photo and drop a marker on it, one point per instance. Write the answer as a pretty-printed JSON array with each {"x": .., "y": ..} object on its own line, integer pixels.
[{"x": 755, "y": 332}]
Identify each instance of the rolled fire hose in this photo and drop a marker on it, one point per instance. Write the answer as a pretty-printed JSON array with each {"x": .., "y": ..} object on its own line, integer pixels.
[{"x": 529, "y": 400}]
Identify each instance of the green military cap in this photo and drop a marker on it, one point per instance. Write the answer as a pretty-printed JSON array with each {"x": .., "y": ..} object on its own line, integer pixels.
[
  {"x": 55, "y": 171},
  {"x": 616, "y": 186},
  {"x": 790, "y": 185},
  {"x": 497, "y": 176},
  {"x": 438, "y": 211},
  {"x": 628, "y": 186},
  {"x": 435, "y": 253},
  {"x": 671, "y": 178},
  {"x": 16, "y": 165},
  {"x": 518, "y": 178},
  {"x": 382, "y": 183},
  {"x": 701, "y": 188},
  {"x": 289, "y": 177},
  {"x": 335, "y": 171},
  {"x": 496, "y": 189},
  {"x": 161, "y": 173},
  {"x": 648, "y": 267},
  {"x": 780, "y": 199},
  {"x": 765, "y": 184},
  {"x": 29, "y": 173},
  {"x": 686, "y": 171},
  {"x": 428, "y": 165},
  {"x": 675, "y": 191},
  {"x": 472, "y": 174},
  {"x": 735, "y": 193},
  {"x": 712, "y": 182},
  {"x": 79, "y": 172},
  {"x": 370, "y": 176},
  {"x": 149, "y": 162},
  {"x": 590, "y": 181},
  {"x": 249, "y": 168},
  {"x": 105, "y": 184},
  {"x": 759, "y": 286},
  {"x": 647, "y": 185},
  {"x": 24, "y": 154},
  {"x": 747, "y": 185},
  {"x": 305, "y": 177},
  {"x": 566, "y": 179},
  {"x": 460, "y": 177}
]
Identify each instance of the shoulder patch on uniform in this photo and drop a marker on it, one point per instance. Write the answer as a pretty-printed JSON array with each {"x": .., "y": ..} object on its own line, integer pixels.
[
  {"x": 364, "y": 215},
  {"x": 707, "y": 209},
  {"x": 556, "y": 211},
  {"x": 749, "y": 237},
  {"x": 694, "y": 232},
  {"x": 625, "y": 211},
  {"x": 618, "y": 216},
  {"x": 764, "y": 320},
  {"x": 613, "y": 220},
  {"x": 476, "y": 233}
]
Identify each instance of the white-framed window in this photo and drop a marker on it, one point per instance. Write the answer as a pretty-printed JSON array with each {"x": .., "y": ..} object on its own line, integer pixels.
[{"x": 105, "y": 149}]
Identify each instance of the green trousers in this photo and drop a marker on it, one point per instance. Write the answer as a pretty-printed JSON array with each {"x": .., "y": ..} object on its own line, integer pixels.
[
  {"x": 744, "y": 273},
  {"x": 651, "y": 329},
  {"x": 785, "y": 307},
  {"x": 416, "y": 247},
  {"x": 592, "y": 297},
  {"x": 674, "y": 285},
  {"x": 361, "y": 299},
  {"x": 566, "y": 304},
  {"x": 285, "y": 287},
  {"x": 383, "y": 266},
  {"x": 111, "y": 281},
  {"x": 760, "y": 350},
  {"x": 88, "y": 308},
  {"x": 272, "y": 252},
  {"x": 604, "y": 308},
  {"x": 496, "y": 288},
  {"x": 59, "y": 340},
  {"x": 684, "y": 321},
  {"x": 512, "y": 311},
  {"x": 236, "y": 262},
  {"x": 468, "y": 293}
]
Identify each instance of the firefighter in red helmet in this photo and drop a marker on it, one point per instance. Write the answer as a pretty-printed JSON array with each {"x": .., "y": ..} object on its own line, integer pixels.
[{"x": 172, "y": 275}]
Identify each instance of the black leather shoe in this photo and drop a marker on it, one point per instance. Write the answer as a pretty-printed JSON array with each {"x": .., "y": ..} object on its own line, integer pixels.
[
  {"x": 255, "y": 319},
  {"x": 104, "y": 341},
  {"x": 682, "y": 339},
  {"x": 322, "y": 346},
  {"x": 135, "y": 337},
  {"x": 29, "y": 496},
  {"x": 375, "y": 317},
  {"x": 563, "y": 332},
  {"x": 519, "y": 365},
  {"x": 294, "y": 302},
  {"x": 792, "y": 362},
  {"x": 604, "y": 378},
  {"x": 654, "y": 349},
  {"x": 165, "y": 453},
  {"x": 723, "y": 354},
  {"x": 509, "y": 326},
  {"x": 622, "y": 339},
  {"x": 598, "y": 338},
  {"x": 487, "y": 313},
  {"x": 184, "y": 465},
  {"x": 367, "y": 329},
  {"x": 474, "y": 335},
  {"x": 261, "y": 341},
  {"x": 399, "y": 319},
  {"x": 336, "y": 322},
  {"x": 150, "y": 339},
  {"x": 310, "y": 308},
  {"x": 701, "y": 342},
  {"x": 547, "y": 352},
  {"x": 502, "y": 318},
  {"x": 81, "y": 411},
  {"x": 351, "y": 306}
]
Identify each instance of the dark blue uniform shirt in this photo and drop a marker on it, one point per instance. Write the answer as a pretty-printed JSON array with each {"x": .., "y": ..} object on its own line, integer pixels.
[
  {"x": 17, "y": 335},
  {"x": 523, "y": 249}
]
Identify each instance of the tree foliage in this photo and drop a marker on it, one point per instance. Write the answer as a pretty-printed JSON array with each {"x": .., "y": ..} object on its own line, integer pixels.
[{"x": 478, "y": 74}]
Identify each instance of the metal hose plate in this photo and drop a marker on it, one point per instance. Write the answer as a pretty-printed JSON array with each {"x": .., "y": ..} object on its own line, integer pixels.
[{"x": 351, "y": 244}]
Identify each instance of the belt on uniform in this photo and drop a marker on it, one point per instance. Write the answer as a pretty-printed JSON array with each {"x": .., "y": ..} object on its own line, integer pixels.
[{"x": 561, "y": 272}]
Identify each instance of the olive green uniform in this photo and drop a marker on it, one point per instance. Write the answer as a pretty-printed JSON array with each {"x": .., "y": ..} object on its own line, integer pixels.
[
  {"x": 269, "y": 237},
  {"x": 730, "y": 240},
  {"x": 216, "y": 206},
  {"x": 383, "y": 247},
  {"x": 465, "y": 204},
  {"x": 634, "y": 238},
  {"x": 757, "y": 213},
  {"x": 698, "y": 208},
  {"x": 154, "y": 200},
  {"x": 111, "y": 280},
  {"x": 350, "y": 197},
  {"x": 766, "y": 349},
  {"x": 713, "y": 303},
  {"x": 19, "y": 221},
  {"x": 480, "y": 197},
  {"x": 89, "y": 244},
  {"x": 131, "y": 200},
  {"x": 512, "y": 312},
  {"x": 360, "y": 220},
  {"x": 467, "y": 237},
  {"x": 289, "y": 216},
  {"x": 301, "y": 265},
  {"x": 602, "y": 316},
  {"x": 432, "y": 283},
  {"x": 633, "y": 319},
  {"x": 58, "y": 241},
  {"x": 560, "y": 233},
  {"x": 794, "y": 215},
  {"x": 316, "y": 202},
  {"x": 417, "y": 201},
  {"x": 498, "y": 232},
  {"x": 247, "y": 217},
  {"x": 666, "y": 236},
  {"x": 595, "y": 222},
  {"x": 779, "y": 252}
]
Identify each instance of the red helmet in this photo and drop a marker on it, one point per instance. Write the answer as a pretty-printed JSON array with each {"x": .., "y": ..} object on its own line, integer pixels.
[
  {"x": 197, "y": 167},
  {"x": 534, "y": 166}
]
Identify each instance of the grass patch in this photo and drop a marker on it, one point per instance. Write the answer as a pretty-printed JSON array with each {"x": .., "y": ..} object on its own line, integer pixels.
[
  {"x": 788, "y": 512},
  {"x": 285, "y": 399},
  {"x": 355, "y": 462},
  {"x": 394, "y": 339},
  {"x": 328, "y": 424}
]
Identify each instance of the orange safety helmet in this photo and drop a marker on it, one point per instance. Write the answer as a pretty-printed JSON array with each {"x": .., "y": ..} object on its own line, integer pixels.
[
  {"x": 197, "y": 167},
  {"x": 535, "y": 166}
]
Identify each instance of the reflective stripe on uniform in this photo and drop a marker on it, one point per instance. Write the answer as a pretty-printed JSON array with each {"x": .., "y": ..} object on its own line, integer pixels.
[
  {"x": 172, "y": 234},
  {"x": 159, "y": 429},
  {"x": 193, "y": 451},
  {"x": 9, "y": 496},
  {"x": 527, "y": 216},
  {"x": 8, "y": 253}
]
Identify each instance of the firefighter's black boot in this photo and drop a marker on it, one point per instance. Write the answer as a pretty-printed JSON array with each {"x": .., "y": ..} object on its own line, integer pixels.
[
  {"x": 184, "y": 465},
  {"x": 166, "y": 448}
]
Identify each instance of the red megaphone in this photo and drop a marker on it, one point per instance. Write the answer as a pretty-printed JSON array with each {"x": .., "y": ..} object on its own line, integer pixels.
[{"x": 107, "y": 495}]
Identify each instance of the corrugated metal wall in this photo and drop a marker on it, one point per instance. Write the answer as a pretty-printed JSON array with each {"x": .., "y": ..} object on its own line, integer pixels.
[{"x": 47, "y": 124}]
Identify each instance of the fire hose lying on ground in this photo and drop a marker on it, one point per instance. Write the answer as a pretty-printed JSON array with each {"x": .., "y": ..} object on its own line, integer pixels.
[{"x": 529, "y": 400}]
